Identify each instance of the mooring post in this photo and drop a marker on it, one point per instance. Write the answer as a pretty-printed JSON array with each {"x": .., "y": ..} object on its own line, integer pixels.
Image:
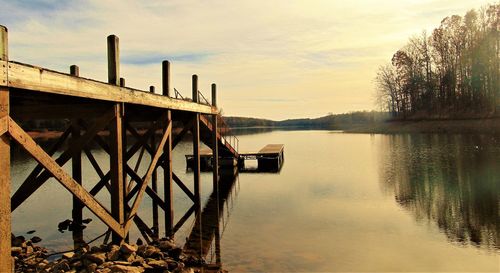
[
  {"x": 6, "y": 263},
  {"x": 122, "y": 82},
  {"x": 167, "y": 163},
  {"x": 116, "y": 141},
  {"x": 76, "y": 170},
  {"x": 196, "y": 144},
  {"x": 154, "y": 183},
  {"x": 215, "y": 141}
]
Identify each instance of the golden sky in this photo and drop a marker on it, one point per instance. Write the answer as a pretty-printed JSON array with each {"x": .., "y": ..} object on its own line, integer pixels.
[{"x": 270, "y": 59}]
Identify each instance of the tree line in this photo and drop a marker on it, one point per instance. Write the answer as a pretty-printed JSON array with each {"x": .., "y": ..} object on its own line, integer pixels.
[{"x": 454, "y": 72}]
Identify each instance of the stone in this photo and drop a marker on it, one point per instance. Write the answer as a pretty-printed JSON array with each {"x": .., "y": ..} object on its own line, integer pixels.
[
  {"x": 126, "y": 269},
  {"x": 35, "y": 239},
  {"x": 166, "y": 245},
  {"x": 68, "y": 255},
  {"x": 151, "y": 251},
  {"x": 16, "y": 250},
  {"x": 29, "y": 250},
  {"x": 91, "y": 268},
  {"x": 127, "y": 249},
  {"x": 98, "y": 258},
  {"x": 158, "y": 264},
  {"x": 113, "y": 254}
]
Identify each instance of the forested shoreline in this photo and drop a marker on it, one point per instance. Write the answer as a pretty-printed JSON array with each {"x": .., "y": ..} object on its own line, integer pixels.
[{"x": 452, "y": 73}]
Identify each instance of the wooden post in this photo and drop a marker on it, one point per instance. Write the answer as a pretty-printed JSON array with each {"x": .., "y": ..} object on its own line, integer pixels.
[
  {"x": 154, "y": 184},
  {"x": 196, "y": 145},
  {"x": 6, "y": 263},
  {"x": 76, "y": 169},
  {"x": 116, "y": 141},
  {"x": 215, "y": 141},
  {"x": 113, "y": 60},
  {"x": 167, "y": 163},
  {"x": 122, "y": 82}
]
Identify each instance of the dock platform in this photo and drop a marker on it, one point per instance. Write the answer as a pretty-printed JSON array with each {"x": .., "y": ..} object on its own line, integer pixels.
[{"x": 269, "y": 159}]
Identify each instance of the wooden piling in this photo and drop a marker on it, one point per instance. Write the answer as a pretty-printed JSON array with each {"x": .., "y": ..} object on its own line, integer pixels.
[
  {"x": 76, "y": 170},
  {"x": 122, "y": 82},
  {"x": 167, "y": 163},
  {"x": 196, "y": 144},
  {"x": 116, "y": 141},
  {"x": 154, "y": 184},
  {"x": 6, "y": 263},
  {"x": 215, "y": 141}
]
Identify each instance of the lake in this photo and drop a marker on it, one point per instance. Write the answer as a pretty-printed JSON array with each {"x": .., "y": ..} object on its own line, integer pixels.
[{"x": 341, "y": 202}]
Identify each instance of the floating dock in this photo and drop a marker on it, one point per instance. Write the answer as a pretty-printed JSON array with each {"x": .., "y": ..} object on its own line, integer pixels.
[{"x": 269, "y": 159}]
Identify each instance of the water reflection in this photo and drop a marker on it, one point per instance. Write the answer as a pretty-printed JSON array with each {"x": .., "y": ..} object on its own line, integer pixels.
[
  {"x": 205, "y": 236},
  {"x": 451, "y": 180}
]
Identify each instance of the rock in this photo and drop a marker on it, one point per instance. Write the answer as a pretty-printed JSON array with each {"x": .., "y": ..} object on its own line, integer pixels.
[
  {"x": 175, "y": 253},
  {"x": 16, "y": 250},
  {"x": 31, "y": 232},
  {"x": 126, "y": 269},
  {"x": 127, "y": 249},
  {"x": 160, "y": 264},
  {"x": 98, "y": 258},
  {"x": 139, "y": 242},
  {"x": 29, "y": 250},
  {"x": 151, "y": 251},
  {"x": 166, "y": 245},
  {"x": 35, "y": 239},
  {"x": 68, "y": 255},
  {"x": 91, "y": 268},
  {"x": 113, "y": 254},
  {"x": 19, "y": 241}
]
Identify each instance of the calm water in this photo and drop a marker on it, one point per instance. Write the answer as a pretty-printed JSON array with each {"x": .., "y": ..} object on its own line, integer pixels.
[{"x": 342, "y": 202}]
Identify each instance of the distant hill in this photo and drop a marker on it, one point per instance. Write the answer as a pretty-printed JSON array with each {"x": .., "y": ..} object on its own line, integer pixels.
[{"x": 339, "y": 121}]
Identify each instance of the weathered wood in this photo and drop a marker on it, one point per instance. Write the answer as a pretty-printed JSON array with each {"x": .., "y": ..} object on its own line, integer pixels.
[
  {"x": 195, "y": 130},
  {"x": 5, "y": 183},
  {"x": 4, "y": 43},
  {"x": 122, "y": 82},
  {"x": 184, "y": 219},
  {"x": 38, "y": 79},
  {"x": 165, "y": 79},
  {"x": 94, "y": 162},
  {"x": 167, "y": 158},
  {"x": 152, "y": 89},
  {"x": 116, "y": 168},
  {"x": 4, "y": 125},
  {"x": 183, "y": 187},
  {"x": 113, "y": 60},
  {"x": 21, "y": 137},
  {"x": 29, "y": 187},
  {"x": 186, "y": 128},
  {"x": 147, "y": 177},
  {"x": 154, "y": 187},
  {"x": 215, "y": 142},
  {"x": 76, "y": 172}
]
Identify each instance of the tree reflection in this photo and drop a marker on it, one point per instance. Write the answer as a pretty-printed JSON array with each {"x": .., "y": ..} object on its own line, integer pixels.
[{"x": 452, "y": 180}]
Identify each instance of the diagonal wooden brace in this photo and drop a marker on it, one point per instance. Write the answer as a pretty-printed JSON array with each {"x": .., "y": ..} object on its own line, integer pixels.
[
  {"x": 147, "y": 177},
  {"x": 21, "y": 137}
]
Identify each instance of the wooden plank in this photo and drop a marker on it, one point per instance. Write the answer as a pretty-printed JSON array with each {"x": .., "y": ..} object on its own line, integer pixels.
[
  {"x": 147, "y": 177},
  {"x": 272, "y": 149},
  {"x": 3, "y": 73},
  {"x": 154, "y": 188},
  {"x": 23, "y": 76},
  {"x": 65, "y": 179},
  {"x": 116, "y": 169},
  {"x": 29, "y": 187}
]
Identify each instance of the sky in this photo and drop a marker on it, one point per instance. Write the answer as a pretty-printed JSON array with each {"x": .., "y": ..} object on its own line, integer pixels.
[{"x": 269, "y": 59}]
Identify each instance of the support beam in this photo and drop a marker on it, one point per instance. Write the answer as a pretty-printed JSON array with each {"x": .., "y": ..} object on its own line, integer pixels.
[
  {"x": 60, "y": 175},
  {"x": 196, "y": 145},
  {"x": 117, "y": 170},
  {"x": 6, "y": 263},
  {"x": 76, "y": 171},
  {"x": 167, "y": 160},
  {"x": 215, "y": 142}
]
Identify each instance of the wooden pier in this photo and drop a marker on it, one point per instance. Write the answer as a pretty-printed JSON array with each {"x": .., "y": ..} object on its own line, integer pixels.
[
  {"x": 269, "y": 159},
  {"x": 29, "y": 93}
]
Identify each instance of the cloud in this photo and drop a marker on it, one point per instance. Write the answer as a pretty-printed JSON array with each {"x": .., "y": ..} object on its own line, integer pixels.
[{"x": 258, "y": 52}]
